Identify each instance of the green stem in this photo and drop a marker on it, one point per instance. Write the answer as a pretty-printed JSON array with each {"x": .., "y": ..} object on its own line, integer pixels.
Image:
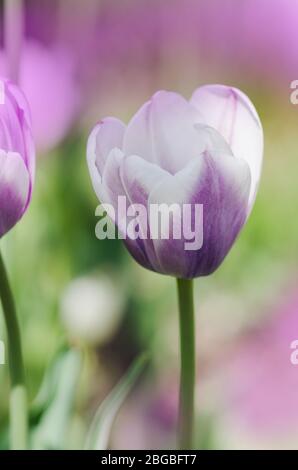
[
  {"x": 187, "y": 373},
  {"x": 18, "y": 394}
]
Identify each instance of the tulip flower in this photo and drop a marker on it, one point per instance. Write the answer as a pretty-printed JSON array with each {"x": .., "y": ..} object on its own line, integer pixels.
[
  {"x": 17, "y": 157},
  {"x": 206, "y": 151},
  {"x": 17, "y": 168}
]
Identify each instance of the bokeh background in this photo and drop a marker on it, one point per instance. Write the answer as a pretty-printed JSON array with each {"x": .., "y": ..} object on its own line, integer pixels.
[{"x": 83, "y": 60}]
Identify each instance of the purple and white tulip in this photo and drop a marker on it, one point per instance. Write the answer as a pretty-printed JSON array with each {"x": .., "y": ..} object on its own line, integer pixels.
[
  {"x": 204, "y": 151},
  {"x": 17, "y": 156}
]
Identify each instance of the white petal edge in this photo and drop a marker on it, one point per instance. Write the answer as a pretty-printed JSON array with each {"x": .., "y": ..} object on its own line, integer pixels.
[
  {"x": 105, "y": 136},
  {"x": 232, "y": 114},
  {"x": 14, "y": 174}
]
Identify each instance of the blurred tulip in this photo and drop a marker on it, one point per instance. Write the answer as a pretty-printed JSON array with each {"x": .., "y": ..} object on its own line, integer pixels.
[
  {"x": 253, "y": 38},
  {"x": 261, "y": 383},
  {"x": 207, "y": 151},
  {"x": 47, "y": 78},
  {"x": 17, "y": 156},
  {"x": 91, "y": 309}
]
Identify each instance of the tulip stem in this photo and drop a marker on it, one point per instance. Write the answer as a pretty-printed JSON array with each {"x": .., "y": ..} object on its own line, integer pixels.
[
  {"x": 18, "y": 394},
  {"x": 187, "y": 372},
  {"x": 13, "y": 35}
]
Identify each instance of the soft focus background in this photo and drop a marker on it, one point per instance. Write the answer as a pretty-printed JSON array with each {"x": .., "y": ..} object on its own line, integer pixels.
[{"x": 83, "y": 60}]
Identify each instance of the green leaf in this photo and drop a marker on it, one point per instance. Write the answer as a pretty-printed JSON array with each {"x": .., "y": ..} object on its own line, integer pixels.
[
  {"x": 100, "y": 429},
  {"x": 47, "y": 391},
  {"x": 53, "y": 426}
]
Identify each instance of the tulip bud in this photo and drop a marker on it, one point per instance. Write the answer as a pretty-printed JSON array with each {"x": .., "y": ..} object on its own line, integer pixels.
[
  {"x": 17, "y": 156},
  {"x": 206, "y": 152}
]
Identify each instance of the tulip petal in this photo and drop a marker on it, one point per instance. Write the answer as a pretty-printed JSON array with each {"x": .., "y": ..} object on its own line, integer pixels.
[
  {"x": 112, "y": 188},
  {"x": 105, "y": 136},
  {"x": 163, "y": 132},
  {"x": 107, "y": 183},
  {"x": 11, "y": 120},
  {"x": 14, "y": 189},
  {"x": 232, "y": 114},
  {"x": 139, "y": 178},
  {"x": 23, "y": 112},
  {"x": 15, "y": 125},
  {"x": 219, "y": 182}
]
